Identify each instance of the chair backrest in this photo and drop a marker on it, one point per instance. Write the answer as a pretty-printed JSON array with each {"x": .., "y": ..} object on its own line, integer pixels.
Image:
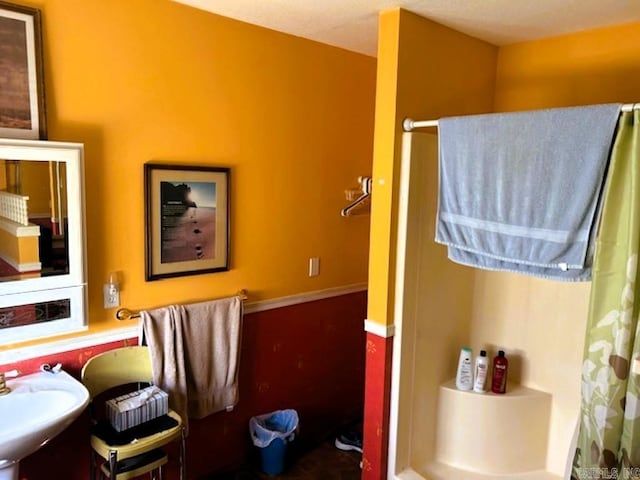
[{"x": 117, "y": 367}]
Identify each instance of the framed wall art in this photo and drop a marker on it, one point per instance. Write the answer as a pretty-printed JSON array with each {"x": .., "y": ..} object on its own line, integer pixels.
[
  {"x": 187, "y": 220},
  {"x": 22, "y": 105}
]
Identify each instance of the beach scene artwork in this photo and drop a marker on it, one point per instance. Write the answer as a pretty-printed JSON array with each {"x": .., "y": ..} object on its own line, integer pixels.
[{"x": 188, "y": 221}]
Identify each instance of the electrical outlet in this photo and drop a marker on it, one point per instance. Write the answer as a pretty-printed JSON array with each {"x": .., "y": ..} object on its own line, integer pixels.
[
  {"x": 314, "y": 266},
  {"x": 111, "y": 296}
]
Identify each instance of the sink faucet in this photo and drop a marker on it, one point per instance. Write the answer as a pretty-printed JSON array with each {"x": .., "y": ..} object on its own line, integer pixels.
[{"x": 3, "y": 384}]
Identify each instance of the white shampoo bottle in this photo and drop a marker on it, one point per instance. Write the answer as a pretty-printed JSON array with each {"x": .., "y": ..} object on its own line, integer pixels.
[
  {"x": 480, "y": 372},
  {"x": 464, "y": 377}
]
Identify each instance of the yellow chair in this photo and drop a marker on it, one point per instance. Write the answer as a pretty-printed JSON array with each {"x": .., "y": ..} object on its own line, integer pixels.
[{"x": 135, "y": 451}]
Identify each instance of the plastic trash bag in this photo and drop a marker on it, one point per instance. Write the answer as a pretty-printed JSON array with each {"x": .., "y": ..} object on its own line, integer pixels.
[{"x": 279, "y": 424}]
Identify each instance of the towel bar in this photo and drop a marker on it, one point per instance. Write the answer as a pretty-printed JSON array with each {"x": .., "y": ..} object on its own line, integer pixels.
[{"x": 126, "y": 314}]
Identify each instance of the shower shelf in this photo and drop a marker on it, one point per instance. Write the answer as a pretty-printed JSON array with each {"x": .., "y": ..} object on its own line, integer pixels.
[{"x": 471, "y": 426}]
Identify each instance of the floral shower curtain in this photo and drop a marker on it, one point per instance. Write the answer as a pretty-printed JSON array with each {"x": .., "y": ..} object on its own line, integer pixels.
[{"x": 609, "y": 439}]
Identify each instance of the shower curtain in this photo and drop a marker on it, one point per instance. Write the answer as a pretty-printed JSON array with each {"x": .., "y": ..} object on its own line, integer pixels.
[{"x": 609, "y": 439}]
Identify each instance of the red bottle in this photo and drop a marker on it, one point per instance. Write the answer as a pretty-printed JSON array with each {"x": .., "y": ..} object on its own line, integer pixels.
[{"x": 499, "y": 379}]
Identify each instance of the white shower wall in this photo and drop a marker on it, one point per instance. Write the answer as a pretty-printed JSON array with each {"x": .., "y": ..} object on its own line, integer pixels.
[{"x": 441, "y": 306}]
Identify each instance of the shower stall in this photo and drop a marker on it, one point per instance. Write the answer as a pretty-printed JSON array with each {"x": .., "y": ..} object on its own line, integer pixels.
[{"x": 436, "y": 431}]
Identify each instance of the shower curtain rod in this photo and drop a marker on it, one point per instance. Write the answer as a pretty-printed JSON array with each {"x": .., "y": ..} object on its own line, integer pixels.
[{"x": 409, "y": 124}]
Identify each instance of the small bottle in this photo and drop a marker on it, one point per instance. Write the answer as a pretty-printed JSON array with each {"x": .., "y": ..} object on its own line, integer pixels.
[
  {"x": 464, "y": 377},
  {"x": 499, "y": 380},
  {"x": 480, "y": 372}
]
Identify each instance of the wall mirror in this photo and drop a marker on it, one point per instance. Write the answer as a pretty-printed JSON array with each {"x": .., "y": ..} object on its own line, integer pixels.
[{"x": 42, "y": 239}]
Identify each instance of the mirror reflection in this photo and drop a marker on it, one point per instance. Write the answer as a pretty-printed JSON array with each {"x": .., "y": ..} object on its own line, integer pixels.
[
  {"x": 34, "y": 237},
  {"x": 35, "y": 313}
]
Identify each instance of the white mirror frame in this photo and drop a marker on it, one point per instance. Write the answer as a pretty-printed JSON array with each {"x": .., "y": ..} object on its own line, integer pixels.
[{"x": 72, "y": 285}]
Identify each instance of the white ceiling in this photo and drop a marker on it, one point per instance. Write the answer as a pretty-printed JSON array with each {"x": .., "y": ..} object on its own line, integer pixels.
[{"x": 352, "y": 24}]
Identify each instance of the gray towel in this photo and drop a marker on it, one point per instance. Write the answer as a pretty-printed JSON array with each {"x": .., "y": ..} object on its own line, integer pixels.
[
  {"x": 521, "y": 191},
  {"x": 195, "y": 354}
]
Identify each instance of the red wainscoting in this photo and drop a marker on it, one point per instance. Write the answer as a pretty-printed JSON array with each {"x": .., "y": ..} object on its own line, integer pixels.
[
  {"x": 310, "y": 357},
  {"x": 376, "y": 412}
]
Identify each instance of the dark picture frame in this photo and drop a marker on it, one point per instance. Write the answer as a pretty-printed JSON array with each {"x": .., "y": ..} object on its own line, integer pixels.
[
  {"x": 187, "y": 220},
  {"x": 22, "y": 99}
]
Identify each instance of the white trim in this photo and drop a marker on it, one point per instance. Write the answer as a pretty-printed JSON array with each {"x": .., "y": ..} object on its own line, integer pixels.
[
  {"x": 384, "y": 331},
  {"x": 66, "y": 345},
  {"x": 28, "y": 267},
  {"x": 27, "y": 231},
  {"x": 262, "y": 305},
  {"x": 74, "y": 322},
  {"x": 407, "y": 169},
  {"x": 18, "y": 230},
  {"x": 21, "y": 267},
  {"x": 124, "y": 333}
]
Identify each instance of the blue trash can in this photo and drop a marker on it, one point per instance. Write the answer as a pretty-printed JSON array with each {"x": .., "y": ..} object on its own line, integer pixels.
[
  {"x": 271, "y": 433},
  {"x": 272, "y": 457}
]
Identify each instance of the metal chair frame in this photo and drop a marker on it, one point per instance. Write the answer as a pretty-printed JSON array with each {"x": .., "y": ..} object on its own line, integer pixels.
[{"x": 119, "y": 367}]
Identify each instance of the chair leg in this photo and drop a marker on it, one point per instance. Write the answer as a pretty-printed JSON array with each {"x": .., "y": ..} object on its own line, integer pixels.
[
  {"x": 158, "y": 473},
  {"x": 113, "y": 465},
  {"x": 183, "y": 457},
  {"x": 92, "y": 465}
]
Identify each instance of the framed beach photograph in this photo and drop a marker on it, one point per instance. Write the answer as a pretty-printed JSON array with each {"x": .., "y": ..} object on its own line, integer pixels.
[
  {"x": 22, "y": 105},
  {"x": 187, "y": 220}
]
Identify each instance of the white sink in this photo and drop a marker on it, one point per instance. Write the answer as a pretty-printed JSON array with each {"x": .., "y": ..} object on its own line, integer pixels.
[{"x": 38, "y": 408}]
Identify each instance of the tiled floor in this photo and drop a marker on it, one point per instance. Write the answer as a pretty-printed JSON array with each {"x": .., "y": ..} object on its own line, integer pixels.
[{"x": 324, "y": 462}]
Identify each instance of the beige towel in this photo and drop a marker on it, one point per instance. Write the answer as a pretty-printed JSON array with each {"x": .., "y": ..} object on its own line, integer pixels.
[{"x": 195, "y": 353}]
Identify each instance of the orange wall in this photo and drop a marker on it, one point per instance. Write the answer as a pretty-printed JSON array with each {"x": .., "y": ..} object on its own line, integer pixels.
[
  {"x": 19, "y": 249},
  {"x": 595, "y": 66},
  {"x": 153, "y": 80},
  {"x": 425, "y": 71},
  {"x": 34, "y": 175}
]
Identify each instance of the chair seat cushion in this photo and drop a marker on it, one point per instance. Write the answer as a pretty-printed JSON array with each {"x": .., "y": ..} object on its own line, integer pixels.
[{"x": 105, "y": 432}]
